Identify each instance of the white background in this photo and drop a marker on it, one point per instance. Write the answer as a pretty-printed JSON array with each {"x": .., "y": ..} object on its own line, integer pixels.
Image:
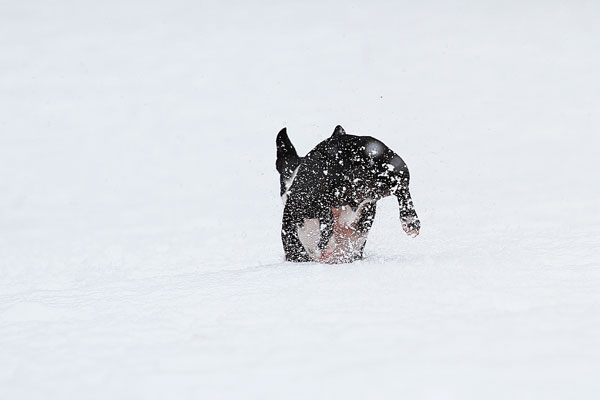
[{"x": 140, "y": 254}]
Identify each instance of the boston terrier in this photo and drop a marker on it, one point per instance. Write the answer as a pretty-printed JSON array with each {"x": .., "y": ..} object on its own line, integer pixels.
[{"x": 330, "y": 195}]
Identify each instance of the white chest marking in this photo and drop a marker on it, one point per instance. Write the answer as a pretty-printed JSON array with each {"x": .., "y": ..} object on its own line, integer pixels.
[
  {"x": 346, "y": 216},
  {"x": 310, "y": 235},
  {"x": 344, "y": 242}
]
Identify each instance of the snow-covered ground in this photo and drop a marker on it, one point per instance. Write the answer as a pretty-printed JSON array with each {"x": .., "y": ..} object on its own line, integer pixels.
[{"x": 140, "y": 254}]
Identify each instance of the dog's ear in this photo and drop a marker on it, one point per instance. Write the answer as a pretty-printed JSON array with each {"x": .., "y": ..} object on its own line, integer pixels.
[
  {"x": 338, "y": 131},
  {"x": 287, "y": 157}
]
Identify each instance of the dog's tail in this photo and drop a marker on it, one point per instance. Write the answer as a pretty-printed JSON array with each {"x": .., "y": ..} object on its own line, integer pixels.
[{"x": 287, "y": 157}]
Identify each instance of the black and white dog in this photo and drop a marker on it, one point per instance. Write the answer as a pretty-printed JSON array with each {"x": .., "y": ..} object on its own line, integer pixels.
[{"x": 330, "y": 195}]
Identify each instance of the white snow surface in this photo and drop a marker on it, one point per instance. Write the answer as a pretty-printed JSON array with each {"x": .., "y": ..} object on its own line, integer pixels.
[{"x": 140, "y": 252}]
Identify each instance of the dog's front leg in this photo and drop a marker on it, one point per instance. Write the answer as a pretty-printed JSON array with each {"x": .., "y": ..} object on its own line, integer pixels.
[
  {"x": 294, "y": 250},
  {"x": 326, "y": 228}
]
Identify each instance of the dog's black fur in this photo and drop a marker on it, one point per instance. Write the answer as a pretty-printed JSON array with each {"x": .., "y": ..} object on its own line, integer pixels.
[{"x": 343, "y": 170}]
